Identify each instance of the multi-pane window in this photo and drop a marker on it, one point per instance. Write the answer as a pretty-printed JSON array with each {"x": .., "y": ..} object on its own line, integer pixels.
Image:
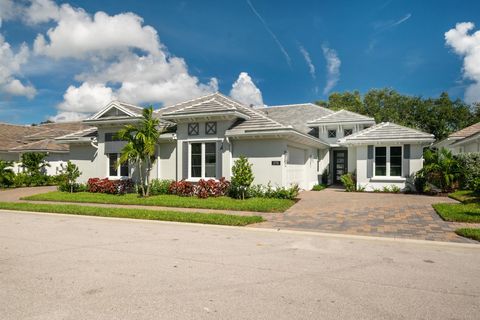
[
  {"x": 193, "y": 129},
  {"x": 347, "y": 132},
  {"x": 210, "y": 128},
  {"x": 332, "y": 133},
  {"x": 115, "y": 169},
  {"x": 210, "y": 160},
  {"x": 380, "y": 161},
  {"x": 396, "y": 161},
  {"x": 196, "y": 160},
  {"x": 388, "y": 161},
  {"x": 203, "y": 160}
]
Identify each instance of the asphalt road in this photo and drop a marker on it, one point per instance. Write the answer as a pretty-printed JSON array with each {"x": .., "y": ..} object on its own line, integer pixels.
[{"x": 67, "y": 267}]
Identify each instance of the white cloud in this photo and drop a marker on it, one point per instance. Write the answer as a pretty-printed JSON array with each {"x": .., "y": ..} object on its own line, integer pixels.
[
  {"x": 89, "y": 97},
  {"x": 41, "y": 11},
  {"x": 245, "y": 91},
  {"x": 308, "y": 60},
  {"x": 68, "y": 116},
  {"x": 10, "y": 67},
  {"x": 467, "y": 46},
  {"x": 333, "y": 68},
  {"x": 78, "y": 35}
]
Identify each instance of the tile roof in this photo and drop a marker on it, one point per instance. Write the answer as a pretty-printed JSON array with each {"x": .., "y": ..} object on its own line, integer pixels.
[
  {"x": 465, "y": 132},
  {"x": 45, "y": 145},
  {"x": 296, "y": 115},
  {"x": 343, "y": 116},
  {"x": 257, "y": 120},
  {"x": 387, "y": 131},
  {"x": 16, "y": 136}
]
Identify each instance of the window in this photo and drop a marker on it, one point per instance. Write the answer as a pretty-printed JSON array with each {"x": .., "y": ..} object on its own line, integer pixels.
[
  {"x": 193, "y": 129},
  {"x": 203, "y": 160},
  {"x": 380, "y": 161},
  {"x": 114, "y": 166},
  {"x": 111, "y": 136},
  {"x": 210, "y": 128},
  {"x": 396, "y": 161},
  {"x": 388, "y": 161},
  {"x": 347, "y": 132},
  {"x": 196, "y": 160},
  {"x": 332, "y": 133}
]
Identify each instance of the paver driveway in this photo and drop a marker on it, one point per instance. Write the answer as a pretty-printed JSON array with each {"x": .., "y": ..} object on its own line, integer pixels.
[{"x": 374, "y": 214}]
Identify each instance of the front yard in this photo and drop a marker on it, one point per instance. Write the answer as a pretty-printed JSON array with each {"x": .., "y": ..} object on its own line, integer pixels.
[
  {"x": 220, "y": 203},
  {"x": 164, "y": 215},
  {"x": 467, "y": 211}
]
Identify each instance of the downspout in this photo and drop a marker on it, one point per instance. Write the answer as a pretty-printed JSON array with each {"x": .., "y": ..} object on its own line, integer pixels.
[
  {"x": 176, "y": 158},
  {"x": 92, "y": 143}
]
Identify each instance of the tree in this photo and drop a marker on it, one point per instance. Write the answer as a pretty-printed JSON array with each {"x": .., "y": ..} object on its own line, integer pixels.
[
  {"x": 7, "y": 175},
  {"x": 71, "y": 174},
  {"x": 242, "y": 176},
  {"x": 140, "y": 147},
  {"x": 439, "y": 116},
  {"x": 34, "y": 163}
]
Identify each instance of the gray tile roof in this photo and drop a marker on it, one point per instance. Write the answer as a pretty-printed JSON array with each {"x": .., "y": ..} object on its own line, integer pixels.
[
  {"x": 387, "y": 131},
  {"x": 86, "y": 133},
  {"x": 296, "y": 115},
  {"x": 342, "y": 116},
  {"x": 465, "y": 132},
  {"x": 257, "y": 120}
]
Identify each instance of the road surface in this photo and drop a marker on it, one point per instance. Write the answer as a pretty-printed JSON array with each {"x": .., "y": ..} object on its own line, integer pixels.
[{"x": 69, "y": 267}]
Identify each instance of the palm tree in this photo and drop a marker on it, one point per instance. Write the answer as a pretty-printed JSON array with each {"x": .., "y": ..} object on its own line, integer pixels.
[
  {"x": 140, "y": 148},
  {"x": 441, "y": 168}
]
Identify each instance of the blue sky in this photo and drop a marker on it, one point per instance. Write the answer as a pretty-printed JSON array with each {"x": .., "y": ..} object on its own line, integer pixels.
[{"x": 366, "y": 44}]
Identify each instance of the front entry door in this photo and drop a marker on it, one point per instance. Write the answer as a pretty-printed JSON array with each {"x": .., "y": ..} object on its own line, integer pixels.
[{"x": 339, "y": 164}]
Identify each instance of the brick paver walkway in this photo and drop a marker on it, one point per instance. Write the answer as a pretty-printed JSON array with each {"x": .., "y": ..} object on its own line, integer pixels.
[{"x": 372, "y": 214}]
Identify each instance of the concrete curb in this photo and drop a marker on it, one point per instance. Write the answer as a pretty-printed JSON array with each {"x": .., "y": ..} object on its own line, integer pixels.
[{"x": 270, "y": 230}]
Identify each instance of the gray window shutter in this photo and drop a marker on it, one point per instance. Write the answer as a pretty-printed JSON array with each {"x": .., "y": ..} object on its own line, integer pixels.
[
  {"x": 370, "y": 161},
  {"x": 406, "y": 160},
  {"x": 185, "y": 160},
  {"x": 219, "y": 160}
]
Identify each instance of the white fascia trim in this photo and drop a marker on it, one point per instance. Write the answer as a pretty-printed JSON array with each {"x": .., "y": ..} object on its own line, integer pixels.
[
  {"x": 313, "y": 123},
  {"x": 112, "y": 121},
  {"x": 389, "y": 141}
]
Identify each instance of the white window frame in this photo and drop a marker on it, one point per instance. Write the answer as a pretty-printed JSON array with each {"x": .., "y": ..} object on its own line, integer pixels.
[
  {"x": 118, "y": 176},
  {"x": 388, "y": 161},
  {"x": 202, "y": 142}
]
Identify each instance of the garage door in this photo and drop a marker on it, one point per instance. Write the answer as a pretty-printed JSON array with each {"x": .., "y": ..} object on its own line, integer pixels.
[{"x": 296, "y": 166}]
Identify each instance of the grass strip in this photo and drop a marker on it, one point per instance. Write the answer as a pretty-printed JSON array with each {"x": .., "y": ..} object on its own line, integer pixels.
[
  {"x": 458, "y": 212},
  {"x": 469, "y": 233},
  {"x": 220, "y": 203},
  {"x": 465, "y": 196},
  {"x": 193, "y": 217}
]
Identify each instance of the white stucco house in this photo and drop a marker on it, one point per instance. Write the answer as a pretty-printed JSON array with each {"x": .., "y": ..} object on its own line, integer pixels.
[
  {"x": 289, "y": 144},
  {"x": 463, "y": 141}
]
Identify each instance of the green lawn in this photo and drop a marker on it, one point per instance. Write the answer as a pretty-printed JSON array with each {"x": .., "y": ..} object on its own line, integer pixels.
[
  {"x": 206, "y": 218},
  {"x": 469, "y": 233},
  {"x": 465, "y": 196},
  {"x": 469, "y": 212},
  {"x": 222, "y": 203}
]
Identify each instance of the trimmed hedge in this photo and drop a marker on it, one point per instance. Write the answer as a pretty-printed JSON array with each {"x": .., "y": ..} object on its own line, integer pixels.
[{"x": 469, "y": 174}]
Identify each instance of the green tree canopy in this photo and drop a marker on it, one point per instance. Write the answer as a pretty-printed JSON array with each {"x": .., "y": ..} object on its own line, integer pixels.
[{"x": 439, "y": 116}]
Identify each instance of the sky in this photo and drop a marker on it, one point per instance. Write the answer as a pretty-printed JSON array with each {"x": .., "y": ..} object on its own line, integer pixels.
[{"x": 64, "y": 60}]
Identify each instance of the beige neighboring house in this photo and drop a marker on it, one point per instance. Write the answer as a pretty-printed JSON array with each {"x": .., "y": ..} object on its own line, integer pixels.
[
  {"x": 18, "y": 139},
  {"x": 463, "y": 141},
  {"x": 288, "y": 144}
]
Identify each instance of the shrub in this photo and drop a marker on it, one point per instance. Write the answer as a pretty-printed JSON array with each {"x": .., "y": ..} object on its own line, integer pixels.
[
  {"x": 76, "y": 187},
  {"x": 34, "y": 163},
  {"x": 441, "y": 169},
  {"x": 469, "y": 167},
  {"x": 69, "y": 175},
  {"x": 211, "y": 188},
  {"x": 181, "y": 188},
  {"x": 325, "y": 176},
  {"x": 420, "y": 181},
  {"x": 7, "y": 176},
  {"x": 242, "y": 177},
  {"x": 97, "y": 185},
  {"x": 159, "y": 186},
  {"x": 349, "y": 182},
  {"x": 319, "y": 187},
  {"x": 259, "y": 191},
  {"x": 394, "y": 188}
]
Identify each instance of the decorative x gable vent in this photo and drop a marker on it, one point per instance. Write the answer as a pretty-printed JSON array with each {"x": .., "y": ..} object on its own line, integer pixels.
[{"x": 193, "y": 129}]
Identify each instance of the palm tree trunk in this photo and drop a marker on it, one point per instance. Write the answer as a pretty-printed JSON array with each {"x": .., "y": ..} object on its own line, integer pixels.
[
  {"x": 140, "y": 174},
  {"x": 147, "y": 178}
]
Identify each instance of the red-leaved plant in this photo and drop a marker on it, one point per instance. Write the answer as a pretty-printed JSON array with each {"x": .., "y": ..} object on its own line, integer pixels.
[
  {"x": 203, "y": 189},
  {"x": 97, "y": 185}
]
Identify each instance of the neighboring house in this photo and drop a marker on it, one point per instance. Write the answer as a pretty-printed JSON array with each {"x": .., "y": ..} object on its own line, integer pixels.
[
  {"x": 462, "y": 141},
  {"x": 18, "y": 139},
  {"x": 286, "y": 144}
]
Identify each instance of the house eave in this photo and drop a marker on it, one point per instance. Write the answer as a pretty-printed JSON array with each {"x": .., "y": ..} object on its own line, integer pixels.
[
  {"x": 222, "y": 115},
  {"x": 286, "y": 133},
  {"x": 387, "y": 141},
  {"x": 112, "y": 121},
  {"x": 326, "y": 123}
]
